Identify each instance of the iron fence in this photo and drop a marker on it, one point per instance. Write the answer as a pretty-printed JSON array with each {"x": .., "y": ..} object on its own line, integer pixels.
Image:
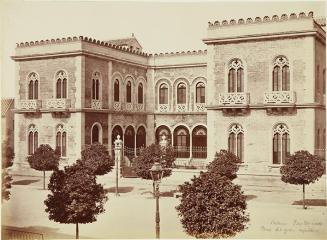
[{"x": 13, "y": 234}]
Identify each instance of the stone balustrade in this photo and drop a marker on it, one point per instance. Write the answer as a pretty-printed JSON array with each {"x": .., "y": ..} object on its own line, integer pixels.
[
  {"x": 163, "y": 108},
  {"x": 28, "y": 104},
  {"x": 181, "y": 108},
  {"x": 279, "y": 97},
  {"x": 57, "y": 103},
  {"x": 117, "y": 106},
  {"x": 96, "y": 104},
  {"x": 234, "y": 99},
  {"x": 139, "y": 107},
  {"x": 200, "y": 107},
  {"x": 129, "y": 107}
]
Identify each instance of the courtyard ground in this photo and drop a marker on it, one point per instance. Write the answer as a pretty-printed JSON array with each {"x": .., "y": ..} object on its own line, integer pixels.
[{"x": 132, "y": 214}]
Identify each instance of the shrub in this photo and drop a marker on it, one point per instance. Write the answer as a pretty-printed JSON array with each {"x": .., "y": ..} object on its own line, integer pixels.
[
  {"x": 302, "y": 168},
  {"x": 7, "y": 161},
  {"x": 212, "y": 206},
  {"x": 75, "y": 196},
  {"x": 225, "y": 164},
  {"x": 44, "y": 159},
  {"x": 151, "y": 154},
  {"x": 96, "y": 158}
]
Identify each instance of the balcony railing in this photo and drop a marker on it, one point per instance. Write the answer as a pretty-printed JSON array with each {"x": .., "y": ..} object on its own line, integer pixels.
[
  {"x": 163, "y": 108},
  {"x": 181, "y": 108},
  {"x": 234, "y": 99},
  {"x": 139, "y": 107},
  {"x": 129, "y": 107},
  {"x": 57, "y": 103},
  {"x": 200, "y": 107},
  {"x": 96, "y": 104},
  {"x": 117, "y": 106},
  {"x": 279, "y": 97},
  {"x": 29, "y": 104}
]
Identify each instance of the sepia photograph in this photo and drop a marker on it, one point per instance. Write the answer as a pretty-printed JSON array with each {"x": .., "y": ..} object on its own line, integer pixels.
[{"x": 163, "y": 119}]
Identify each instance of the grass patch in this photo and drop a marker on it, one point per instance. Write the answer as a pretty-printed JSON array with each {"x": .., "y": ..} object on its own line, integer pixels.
[
  {"x": 250, "y": 197},
  {"x": 120, "y": 189},
  {"x": 312, "y": 202},
  {"x": 24, "y": 182}
]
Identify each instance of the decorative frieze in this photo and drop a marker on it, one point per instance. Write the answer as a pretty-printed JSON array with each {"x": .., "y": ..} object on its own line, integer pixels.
[
  {"x": 57, "y": 103},
  {"x": 96, "y": 104},
  {"x": 234, "y": 99},
  {"x": 29, "y": 104},
  {"x": 279, "y": 97}
]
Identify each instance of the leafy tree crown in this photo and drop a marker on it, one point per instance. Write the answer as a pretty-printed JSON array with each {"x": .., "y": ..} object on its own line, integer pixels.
[
  {"x": 44, "y": 158},
  {"x": 7, "y": 155}
]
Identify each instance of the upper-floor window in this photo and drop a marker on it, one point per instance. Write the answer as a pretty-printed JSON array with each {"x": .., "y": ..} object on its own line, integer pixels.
[
  {"x": 61, "y": 84},
  {"x": 129, "y": 92},
  {"x": 33, "y": 85},
  {"x": 181, "y": 93},
  {"x": 32, "y": 139},
  {"x": 236, "y": 141},
  {"x": 61, "y": 140},
  {"x": 281, "y": 74},
  {"x": 200, "y": 93},
  {"x": 96, "y": 86},
  {"x": 236, "y": 76},
  {"x": 163, "y": 94},
  {"x": 140, "y": 94},
  {"x": 281, "y": 144},
  {"x": 116, "y": 91}
]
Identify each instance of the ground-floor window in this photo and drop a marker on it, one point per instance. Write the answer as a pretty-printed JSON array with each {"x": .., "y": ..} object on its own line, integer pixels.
[
  {"x": 140, "y": 139},
  {"x": 281, "y": 144},
  {"x": 32, "y": 139},
  {"x": 129, "y": 142},
  {"x": 182, "y": 142},
  {"x": 236, "y": 141},
  {"x": 199, "y": 142},
  {"x": 96, "y": 133}
]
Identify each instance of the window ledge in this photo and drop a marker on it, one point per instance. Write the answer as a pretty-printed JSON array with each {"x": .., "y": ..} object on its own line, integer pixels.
[{"x": 275, "y": 165}]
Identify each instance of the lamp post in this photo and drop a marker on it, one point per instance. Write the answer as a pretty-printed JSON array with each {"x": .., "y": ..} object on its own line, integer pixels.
[
  {"x": 118, "y": 146},
  {"x": 156, "y": 172}
]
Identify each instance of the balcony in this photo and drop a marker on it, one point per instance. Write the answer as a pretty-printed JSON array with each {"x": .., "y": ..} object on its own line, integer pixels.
[
  {"x": 163, "y": 108},
  {"x": 96, "y": 104},
  {"x": 200, "y": 107},
  {"x": 279, "y": 98},
  {"x": 117, "y": 106},
  {"x": 129, "y": 107},
  {"x": 139, "y": 107},
  {"x": 234, "y": 99},
  {"x": 57, "y": 104},
  {"x": 181, "y": 108},
  {"x": 29, "y": 104}
]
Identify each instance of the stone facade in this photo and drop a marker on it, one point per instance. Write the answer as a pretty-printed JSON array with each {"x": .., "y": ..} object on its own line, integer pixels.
[{"x": 115, "y": 89}]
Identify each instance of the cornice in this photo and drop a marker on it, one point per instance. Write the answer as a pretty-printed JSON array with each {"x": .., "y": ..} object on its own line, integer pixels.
[
  {"x": 264, "y": 37},
  {"x": 178, "y": 66}
]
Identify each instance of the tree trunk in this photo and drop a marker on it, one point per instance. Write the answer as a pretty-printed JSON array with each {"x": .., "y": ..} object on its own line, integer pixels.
[
  {"x": 154, "y": 189},
  {"x": 77, "y": 232},
  {"x": 43, "y": 180},
  {"x": 303, "y": 199}
]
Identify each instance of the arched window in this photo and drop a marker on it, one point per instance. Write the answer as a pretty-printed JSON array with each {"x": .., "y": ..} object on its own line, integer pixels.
[
  {"x": 61, "y": 84},
  {"x": 236, "y": 76},
  {"x": 281, "y": 74},
  {"x": 129, "y": 92},
  {"x": 200, "y": 93},
  {"x": 96, "y": 133},
  {"x": 199, "y": 142},
  {"x": 236, "y": 141},
  {"x": 163, "y": 94},
  {"x": 61, "y": 140},
  {"x": 33, "y": 85},
  {"x": 281, "y": 144},
  {"x": 140, "y": 94},
  {"x": 32, "y": 139},
  {"x": 181, "y": 93},
  {"x": 116, "y": 91},
  {"x": 96, "y": 86},
  {"x": 182, "y": 142}
]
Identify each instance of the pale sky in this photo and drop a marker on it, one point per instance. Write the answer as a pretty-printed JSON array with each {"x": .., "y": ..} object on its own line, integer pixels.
[{"x": 164, "y": 26}]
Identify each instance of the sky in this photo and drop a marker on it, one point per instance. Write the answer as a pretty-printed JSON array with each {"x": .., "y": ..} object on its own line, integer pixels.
[{"x": 159, "y": 26}]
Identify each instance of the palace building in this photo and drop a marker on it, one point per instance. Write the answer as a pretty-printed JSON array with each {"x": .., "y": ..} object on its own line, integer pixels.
[{"x": 258, "y": 91}]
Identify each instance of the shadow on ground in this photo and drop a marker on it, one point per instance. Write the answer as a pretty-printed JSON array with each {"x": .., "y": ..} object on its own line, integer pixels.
[
  {"x": 250, "y": 197},
  {"x": 312, "y": 202},
  {"x": 34, "y": 232},
  {"x": 120, "y": 189},
  {"x": 24, "y": 182}
]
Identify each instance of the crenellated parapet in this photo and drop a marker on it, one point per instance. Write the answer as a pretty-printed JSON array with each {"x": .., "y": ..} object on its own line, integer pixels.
[
  {"x": 76, "y": 39},
  {"x": 256, "y": 20},
  {"x": 194, "y": 52}
]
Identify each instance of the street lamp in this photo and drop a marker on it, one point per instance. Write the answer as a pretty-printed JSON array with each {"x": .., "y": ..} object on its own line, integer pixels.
[{"x": 156, "y": 172}]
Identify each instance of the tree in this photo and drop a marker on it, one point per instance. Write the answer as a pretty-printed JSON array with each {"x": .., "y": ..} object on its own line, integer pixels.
[
  {"x": 7, "y": 161},
  {"x": 302, "y": 168},
  {"x": 151, "y": 154},
  {"x": 75, "y": 196},
  {"x": 212, "y": 206},
  {"x": 44, "y": 159},
  {"x": 225, "y": 164},
  {"x": 96, "y": 158}
]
